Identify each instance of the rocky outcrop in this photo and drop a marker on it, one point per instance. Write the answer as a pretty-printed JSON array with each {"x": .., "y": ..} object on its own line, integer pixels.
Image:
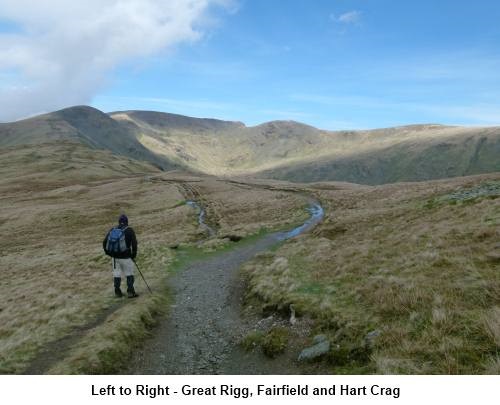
[{"x": 321, "y": 347}]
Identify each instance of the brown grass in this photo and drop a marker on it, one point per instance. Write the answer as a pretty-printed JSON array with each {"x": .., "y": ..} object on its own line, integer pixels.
[
  {"x": 55, "y": 277},
  {"x": 401, "y": 259},
  {"x": 387, "y": 259}
]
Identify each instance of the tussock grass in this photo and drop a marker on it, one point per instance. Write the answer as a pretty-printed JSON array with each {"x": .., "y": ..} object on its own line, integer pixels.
[
  {"x": 492, "y": 324},
  {"x": 272, "y": 343},
  {"x": 55, "y": 277},
  {"x": 419, "y": 274},
  {"x": 275, "y": 341},
  {"x": 105, "y": 349},
  {"x": 252, "y": 340},
  {"x": 54, "y": 273}
]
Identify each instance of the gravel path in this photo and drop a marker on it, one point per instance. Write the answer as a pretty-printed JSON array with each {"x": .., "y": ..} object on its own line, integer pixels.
[
  {"x": 204, "y": 323},
  {"x": 204, "y": 326}
]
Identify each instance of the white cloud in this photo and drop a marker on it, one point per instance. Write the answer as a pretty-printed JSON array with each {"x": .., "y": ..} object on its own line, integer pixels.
[
  {"x": 351, "y": 17},
  {"x": 63, "y": 52}
]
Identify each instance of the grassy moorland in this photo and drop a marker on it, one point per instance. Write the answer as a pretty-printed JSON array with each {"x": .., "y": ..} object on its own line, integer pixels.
[
  {"x": 57, "y": 202},
  {"x": 402, "y": 278}
]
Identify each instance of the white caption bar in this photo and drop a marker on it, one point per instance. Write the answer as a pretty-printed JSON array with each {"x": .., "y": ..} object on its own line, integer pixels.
[{"x": 75, "y": 390}]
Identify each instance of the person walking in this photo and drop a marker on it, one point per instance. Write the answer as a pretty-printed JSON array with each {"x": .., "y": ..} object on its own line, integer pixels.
[{"x": 121, "y": 244}]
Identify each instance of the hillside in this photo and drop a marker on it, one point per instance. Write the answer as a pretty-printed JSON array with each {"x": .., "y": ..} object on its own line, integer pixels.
[
  {"x": 293, "y": 151},
  {"x": 84, "y": 125},
  {"x": 223, "y": 147},
  {"x": 285, "y": 150},
  {"x": 402, "y": 278},
  {"x": 57, "y": 201},
  {"x": 461, "y": 152}
]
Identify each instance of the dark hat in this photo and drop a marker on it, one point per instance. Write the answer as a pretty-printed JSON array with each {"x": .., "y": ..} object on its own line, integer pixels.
[{"x": 123, "y": 219}]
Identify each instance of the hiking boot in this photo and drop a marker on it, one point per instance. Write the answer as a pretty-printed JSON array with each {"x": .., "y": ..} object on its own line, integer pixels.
[
  {"x": 130, "y": 287},
  {"x": 118, "y": 291}
]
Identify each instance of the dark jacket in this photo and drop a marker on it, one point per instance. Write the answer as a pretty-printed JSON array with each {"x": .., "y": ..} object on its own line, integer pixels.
[{"x": 130, "y": 240}]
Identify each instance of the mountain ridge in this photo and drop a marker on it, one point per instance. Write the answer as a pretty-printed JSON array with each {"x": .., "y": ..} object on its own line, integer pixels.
[
  {"x": 281, "y": 149},
  {"x": 81, "y": 124}
]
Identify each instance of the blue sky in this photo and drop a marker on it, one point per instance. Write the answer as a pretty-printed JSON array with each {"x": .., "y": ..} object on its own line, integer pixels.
[{"x": 345, "y": 64}]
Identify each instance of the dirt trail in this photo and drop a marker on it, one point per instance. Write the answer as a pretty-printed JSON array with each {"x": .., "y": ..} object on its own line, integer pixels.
[
  {"x": 202, "y": 332},
  {"x": 56, "y": 350}
]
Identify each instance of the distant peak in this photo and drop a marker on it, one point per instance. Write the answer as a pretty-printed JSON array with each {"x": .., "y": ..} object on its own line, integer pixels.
[
  {"x": 284, "y": 124},
  {"x": 160, "y": 119},
  {"x": 417, "y": 127},
  {"x": 79, "y": 109}
]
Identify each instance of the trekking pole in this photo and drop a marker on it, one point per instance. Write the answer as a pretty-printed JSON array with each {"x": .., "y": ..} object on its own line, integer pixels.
[{"x": 145, "y": 282}]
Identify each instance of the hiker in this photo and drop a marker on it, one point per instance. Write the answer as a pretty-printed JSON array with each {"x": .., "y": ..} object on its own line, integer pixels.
[{"x": 121, "y": 244}]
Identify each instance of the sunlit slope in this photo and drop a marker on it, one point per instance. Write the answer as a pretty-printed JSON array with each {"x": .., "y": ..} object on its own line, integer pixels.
[
  {"x": 224, "y": 147},
  {"x": 293, "y": 151}
]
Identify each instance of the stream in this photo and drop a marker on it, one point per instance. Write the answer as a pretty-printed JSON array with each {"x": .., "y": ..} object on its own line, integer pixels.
[
  {"x": 202, "y": 332},
  {"x": 201, "y": 217},
  {"x": 315, "y": 210}
]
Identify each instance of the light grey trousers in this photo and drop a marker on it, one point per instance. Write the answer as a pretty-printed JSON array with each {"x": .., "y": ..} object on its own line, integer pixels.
[{"x": 122, "y": 267}]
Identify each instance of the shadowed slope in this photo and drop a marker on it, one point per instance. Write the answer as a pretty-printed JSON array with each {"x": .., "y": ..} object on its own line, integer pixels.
[
  {"x": 469, "y": 151},
  {"x": 81, "y": 124}
]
